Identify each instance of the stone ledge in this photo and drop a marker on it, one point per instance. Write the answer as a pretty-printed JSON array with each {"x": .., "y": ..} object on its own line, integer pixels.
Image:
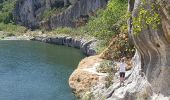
[{"x": 88, "y": 47}]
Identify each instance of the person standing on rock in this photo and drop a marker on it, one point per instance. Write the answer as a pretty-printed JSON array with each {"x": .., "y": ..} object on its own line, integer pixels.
[{"x": 122, "y": 70}]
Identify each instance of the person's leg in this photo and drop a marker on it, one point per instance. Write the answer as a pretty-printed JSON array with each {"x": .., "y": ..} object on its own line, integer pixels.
[
  {"x": 120, "y": 78},
  {"x": 123, "y": 78}
]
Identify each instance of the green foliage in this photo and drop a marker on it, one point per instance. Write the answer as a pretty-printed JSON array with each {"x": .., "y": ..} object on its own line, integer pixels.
[
  {"x": 107, "y": 23},
  {"x": 88, "y": 96},
  {"x": 105, "y": 67},
  {"x": 65, "y": 30},
  {"x": 6, "y": 8},
  {"x": 119, "y": 47},
  {"x": 6, "y": 18},
  {"x": 51, "y": 11},
  {"x": 109, "y": 68},
  {"x": 146, "y": 17},
  {"x": 12, "y": 28},
  {"x": 77, "y": 32}
]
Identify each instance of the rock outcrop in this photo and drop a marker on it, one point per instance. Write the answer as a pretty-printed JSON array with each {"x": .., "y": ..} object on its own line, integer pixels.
[
  {"x": 154, "y": 48},
  {"x": 80, "y": 9},
  {"x": 92, "y": 76},
  {"x": 149, "y": 77},
  {"x": 136, "y": 85},
  {"x": 86, "y": 75},
  {"x": 29, "y": 12},
  {"x": 88, "y": 47}
]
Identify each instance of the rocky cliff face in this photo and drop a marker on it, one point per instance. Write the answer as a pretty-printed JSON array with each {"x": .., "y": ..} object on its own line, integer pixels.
[
  {"x": 79, "y": 10},
  {"x": 29, "y": 12},
  {"x": 154, "y": 49},
  {"x": 149, "y": 77}
]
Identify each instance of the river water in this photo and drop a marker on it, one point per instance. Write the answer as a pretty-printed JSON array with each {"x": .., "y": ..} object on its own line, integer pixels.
[{"x": 32, "y": 70}]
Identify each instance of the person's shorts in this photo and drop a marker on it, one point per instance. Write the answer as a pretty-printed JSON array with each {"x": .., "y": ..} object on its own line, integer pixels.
[{"x": 122, "y": 74}]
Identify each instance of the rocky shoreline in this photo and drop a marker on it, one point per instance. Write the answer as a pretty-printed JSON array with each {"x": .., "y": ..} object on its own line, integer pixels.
[{"x": 87, "y": 46}]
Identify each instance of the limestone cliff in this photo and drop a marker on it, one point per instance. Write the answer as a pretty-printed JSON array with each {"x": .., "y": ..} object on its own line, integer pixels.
[
  {"x": 29, "y": 12},
  {"x": 149, "y": 77},
  {"x": 154, "y": 48}
]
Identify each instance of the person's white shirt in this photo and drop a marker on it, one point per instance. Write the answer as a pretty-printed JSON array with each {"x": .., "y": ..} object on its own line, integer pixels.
[{"x": 122, "y": 67}]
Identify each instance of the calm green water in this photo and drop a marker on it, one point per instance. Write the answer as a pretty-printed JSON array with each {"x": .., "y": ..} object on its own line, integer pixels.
[{"x": 36, "y": 71}]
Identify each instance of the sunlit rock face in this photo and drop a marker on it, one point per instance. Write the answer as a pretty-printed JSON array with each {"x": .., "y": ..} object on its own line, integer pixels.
[
  {"x": 149, "y": 77},
  {"x": 29, "y": 12},
  {"x": 86, "y": 75},
  {"x": 154, "y": 49}
]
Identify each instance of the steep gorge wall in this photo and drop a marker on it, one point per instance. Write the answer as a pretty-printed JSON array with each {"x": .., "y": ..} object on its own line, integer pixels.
[
  {"x": 80, "y": 9},
  {"x": 149, "y": 79},
  {"x": 29, "y": 12},
  {"x": 154, "y": 48}
]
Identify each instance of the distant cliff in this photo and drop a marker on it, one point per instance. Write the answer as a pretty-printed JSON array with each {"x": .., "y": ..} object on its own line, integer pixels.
[{"x": 29, "y": 12}]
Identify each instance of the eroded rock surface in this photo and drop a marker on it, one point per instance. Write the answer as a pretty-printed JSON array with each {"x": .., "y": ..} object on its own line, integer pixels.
[
  {"x": 149, "y": 77},
  {"x": 86, "y": 75},
  {"x": 29, "y": 12},
  {"x": 136, "y": 85},
  {"x": 154, "y": 49},
  {"x": 88, "y": 47}
]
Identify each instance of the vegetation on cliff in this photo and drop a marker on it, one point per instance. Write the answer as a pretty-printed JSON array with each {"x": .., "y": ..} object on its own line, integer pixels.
[
  {"x": 48, "y": 13},
  {"x": 106, "y": 24},
  {"x": 6, "y": 7},
  {"x": 109, "y": 20},
  {"x": 6, "y": 19},
  {"x": 146, "y": 17},
  {"x": 111, "y": 25}
]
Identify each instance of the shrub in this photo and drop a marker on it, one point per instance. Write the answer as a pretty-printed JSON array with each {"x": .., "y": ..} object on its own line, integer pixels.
[
  {"x": 51, "y": 11},
  {"x": 105, "y": 67},
  {"x": 6, "y": 9},
  {"x": 109, "y": 68},
  {"x": 65, "y": 30},
  {"x": 70, "y": 31},
  {"x": 88, "y": 96},
  {"x": 118, "y": 48},
  {"x": 107, "y": 23},
  {"x": 16, "y": 29}
]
